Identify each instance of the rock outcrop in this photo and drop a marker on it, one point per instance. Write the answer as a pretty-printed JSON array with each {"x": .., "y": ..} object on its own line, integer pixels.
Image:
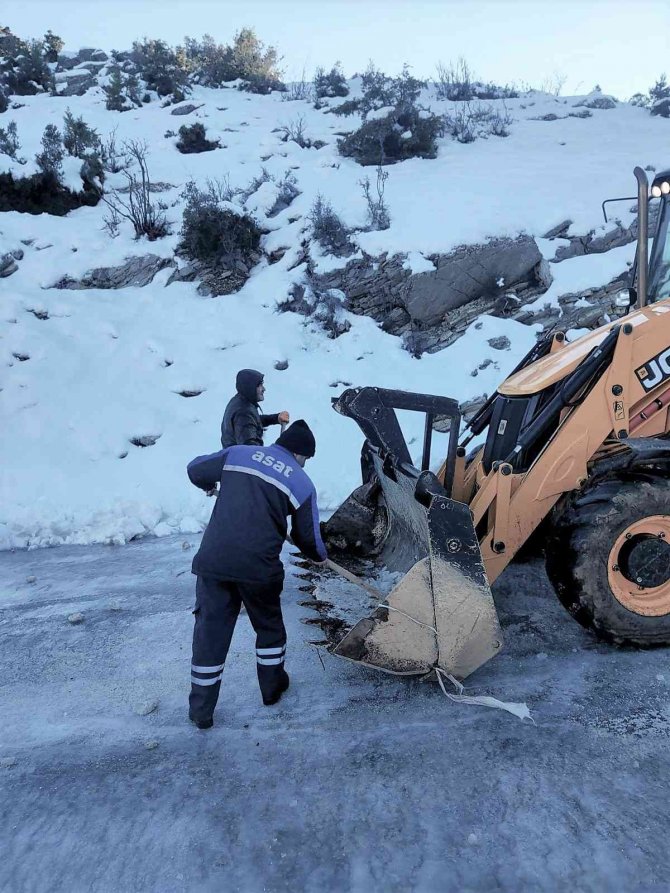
[
  {"x": 136, "y": 271},
  {"x": 431, "y": 310},
  {"x": 505, "y": 278},
  {"x": 8, "y": 262}
]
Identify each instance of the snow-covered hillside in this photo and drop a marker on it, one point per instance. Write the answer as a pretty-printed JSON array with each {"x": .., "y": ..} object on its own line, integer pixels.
[{"x": 86, "y": 372}]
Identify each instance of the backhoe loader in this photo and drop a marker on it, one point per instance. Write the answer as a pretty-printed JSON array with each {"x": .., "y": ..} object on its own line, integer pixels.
[{"x": 573, "y": 446}]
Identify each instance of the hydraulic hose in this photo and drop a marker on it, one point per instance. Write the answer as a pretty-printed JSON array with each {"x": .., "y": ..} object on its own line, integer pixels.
[{"x": 589, "y": 369}]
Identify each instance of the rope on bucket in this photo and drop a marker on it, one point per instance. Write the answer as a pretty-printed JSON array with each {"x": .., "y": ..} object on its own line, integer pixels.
[{"x": 519, "y": 710}]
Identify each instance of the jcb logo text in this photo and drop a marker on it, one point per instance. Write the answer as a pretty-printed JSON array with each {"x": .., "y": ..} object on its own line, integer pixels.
[{"x": 655, "y": 371}]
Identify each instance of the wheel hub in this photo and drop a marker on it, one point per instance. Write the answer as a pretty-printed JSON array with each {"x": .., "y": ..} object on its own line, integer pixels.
[{"x": 639, "y": 566}]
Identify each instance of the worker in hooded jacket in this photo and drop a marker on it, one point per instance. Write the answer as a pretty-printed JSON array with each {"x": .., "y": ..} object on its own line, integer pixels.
[
  {"x": 243, "y": 422},
  {"x": 238, "y": 561}
]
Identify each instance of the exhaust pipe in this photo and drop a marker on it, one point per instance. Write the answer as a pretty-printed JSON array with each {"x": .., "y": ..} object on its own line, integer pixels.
[{"x": 642, "y": 235}]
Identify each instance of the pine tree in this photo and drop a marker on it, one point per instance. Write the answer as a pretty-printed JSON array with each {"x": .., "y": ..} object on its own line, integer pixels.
[
  {"x": 50, "y": 159},
  {"x": 330, "y": 84},
  {"x": 53, "y": 44},
  {"x": 32, "y": 73},
  {"x": 659, "y": 96},
  {"x": 115, "y": 101},
  {"x": 78, "y": 137},
  {"x": 9, "y": 141},
  {"x": 132, "y": 88}
]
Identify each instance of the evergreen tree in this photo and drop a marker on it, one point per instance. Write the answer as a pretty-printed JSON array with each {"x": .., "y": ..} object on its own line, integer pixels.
[
  {"x": 659, "y": 97},
  {"x": 50, "y": 159},
  {"x": 9, "y": 141},
  {"x": 159, "y": 66},
  {"x": 31, "y": 72},
  {"x": 330, "y": 84},
  {"x": 78, "y": 137},
  {"x": 53, "y": 44},
  {"x": 116, "y": 100}
]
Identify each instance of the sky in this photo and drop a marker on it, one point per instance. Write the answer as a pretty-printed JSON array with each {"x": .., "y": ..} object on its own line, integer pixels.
[{"x": 618, "y": 44}]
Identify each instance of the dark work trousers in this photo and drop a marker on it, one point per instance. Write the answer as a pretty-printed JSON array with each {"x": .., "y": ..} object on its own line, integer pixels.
[{"x": 217, "y": 605}]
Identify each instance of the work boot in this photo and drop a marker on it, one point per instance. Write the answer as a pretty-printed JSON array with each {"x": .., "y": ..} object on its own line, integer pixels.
[
  {"x": 202, "y": 722},
  {"x": 279, "y": 691}
]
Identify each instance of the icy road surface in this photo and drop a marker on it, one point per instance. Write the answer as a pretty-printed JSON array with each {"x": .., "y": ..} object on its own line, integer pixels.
[{"x": 355, "y": 781}]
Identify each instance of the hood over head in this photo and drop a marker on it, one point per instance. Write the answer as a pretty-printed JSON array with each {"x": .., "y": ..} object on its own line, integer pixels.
[{"x": 246, "y": 383}]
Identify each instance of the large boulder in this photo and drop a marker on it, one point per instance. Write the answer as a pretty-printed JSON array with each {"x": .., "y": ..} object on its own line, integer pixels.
[
  {"x": 185, "y": 109},
  {"x": 8, "y": 265},
  {"x": 432, "y": 309},
  {"x": 470, "y": 273},
  {"x": 136, "y": 271},
  {"x": 75, "y": 82},
  {"x": 85, "y": 54},
  {"x": 597, "y": 100}
]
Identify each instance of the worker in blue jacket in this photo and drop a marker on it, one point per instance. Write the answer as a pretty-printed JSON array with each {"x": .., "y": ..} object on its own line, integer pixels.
[{"x": 238, "y": 561}]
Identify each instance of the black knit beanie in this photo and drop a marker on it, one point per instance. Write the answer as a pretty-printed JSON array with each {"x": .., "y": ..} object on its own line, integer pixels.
[{"x": 298, "y": 439}]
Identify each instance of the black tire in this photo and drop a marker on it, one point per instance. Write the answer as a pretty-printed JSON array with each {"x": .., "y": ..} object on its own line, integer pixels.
[{"x": 580, "y": 537}]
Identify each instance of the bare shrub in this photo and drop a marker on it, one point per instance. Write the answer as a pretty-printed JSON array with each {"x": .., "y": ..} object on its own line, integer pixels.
[
  {"x": 553, "y": 83},
  {"x": 112, "y": 223},
  {"x": 378, "y": 213},
  {"x": 254, "y": 185},
  {"x": 470, "y": 120},
  {"x": 113, "y": 158},
  {"x": 221, "y": 190},
  {"x": 295, "y": 131},
  {"x": 328, "y": 229},
  {"x": 299, "y": 90},
  {"x": 287, "y": 192},
  {"x": 456, "y": 82},
  {"x": 135, "y": 203},
  {"x": 499, "y": 122}
]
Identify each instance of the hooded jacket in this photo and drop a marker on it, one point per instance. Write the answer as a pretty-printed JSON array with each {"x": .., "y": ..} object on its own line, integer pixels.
[
  {"x": 243, "y": 422},
  {"x": 260, "y": 487}
]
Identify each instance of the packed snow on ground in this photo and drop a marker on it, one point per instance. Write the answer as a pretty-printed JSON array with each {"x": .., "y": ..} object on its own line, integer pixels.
[
  {"x": 85, "y": 372},
  {"x": 355, "y": 781}
]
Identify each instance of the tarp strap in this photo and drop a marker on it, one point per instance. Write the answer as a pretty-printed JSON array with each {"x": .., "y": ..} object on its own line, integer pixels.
[
  {"x": 413, "y": 619},
  {"x": 519, "y": 710}
]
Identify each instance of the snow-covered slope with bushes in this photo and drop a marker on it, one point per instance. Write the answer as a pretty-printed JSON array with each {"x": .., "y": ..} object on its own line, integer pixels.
[{"x": 84, "y": 373}]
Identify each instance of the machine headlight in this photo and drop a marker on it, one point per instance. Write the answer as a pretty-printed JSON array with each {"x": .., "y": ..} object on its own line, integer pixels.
[
  {"x": 655, "y": 191},
  {"x": 665, "y": 187},
  {"x": 622, "y": 300}
]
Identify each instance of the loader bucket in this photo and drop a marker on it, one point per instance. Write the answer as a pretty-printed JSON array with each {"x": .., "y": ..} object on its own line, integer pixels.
[{"x": 441, "y": 613}]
